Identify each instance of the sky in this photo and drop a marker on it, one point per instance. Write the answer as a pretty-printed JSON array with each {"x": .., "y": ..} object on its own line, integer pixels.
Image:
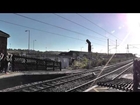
[{"x": 69, "y": 31}]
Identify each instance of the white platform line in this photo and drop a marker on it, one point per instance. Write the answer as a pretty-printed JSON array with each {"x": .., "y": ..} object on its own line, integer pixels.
[{"x": 91, "y": 88}]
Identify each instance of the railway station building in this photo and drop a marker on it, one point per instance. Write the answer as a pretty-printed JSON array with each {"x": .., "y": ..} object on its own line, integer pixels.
[{"x": 3, "y": 42}]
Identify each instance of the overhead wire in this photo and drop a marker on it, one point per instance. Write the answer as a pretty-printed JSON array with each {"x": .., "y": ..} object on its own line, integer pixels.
[
  {"x": 81, "y": 26},
  {"x": 56, "y": 26},
  {"x": 45, "y": 31},
  {"x": 98, "y": 26}
]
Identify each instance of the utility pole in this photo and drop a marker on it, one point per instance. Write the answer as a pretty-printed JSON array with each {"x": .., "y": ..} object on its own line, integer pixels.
[
  {"x": 33, "y": 44},
  {"x": 81, "y": 48},
  {"x": 131, "y": 45},
  {"x": 111, "y": 45},
  {"x": 108, "y": 46}
]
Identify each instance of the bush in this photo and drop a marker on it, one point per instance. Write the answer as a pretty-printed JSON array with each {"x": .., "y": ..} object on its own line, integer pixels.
[
  {"x": 83, "y": 63},
  {"x": 80, "y": 64}
]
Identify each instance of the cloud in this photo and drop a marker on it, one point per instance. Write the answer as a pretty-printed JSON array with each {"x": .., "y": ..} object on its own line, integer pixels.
[{"x": 112, "y": 31}]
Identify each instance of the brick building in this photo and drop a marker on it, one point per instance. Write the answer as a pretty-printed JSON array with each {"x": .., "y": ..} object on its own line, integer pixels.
[{"x": 3, "y": 42}]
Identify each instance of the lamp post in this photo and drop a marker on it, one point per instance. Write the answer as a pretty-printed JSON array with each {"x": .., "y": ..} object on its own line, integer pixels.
[
  {"x": 28, "y": 40},
  {"x": 91, "y": 48},
  {"x": 33, "y": 44},
  {"x": 10, "y": 46}
]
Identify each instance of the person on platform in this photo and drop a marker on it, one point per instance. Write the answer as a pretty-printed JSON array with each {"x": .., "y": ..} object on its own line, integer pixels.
[
  {"x": 5, "y": 64},
  {"x": 9, "y": 59},
  {"x": 1, "y": 62}
]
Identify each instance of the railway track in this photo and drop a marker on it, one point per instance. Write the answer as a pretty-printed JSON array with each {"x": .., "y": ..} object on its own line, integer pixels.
[
  {"x": 66, "y": 83},
  {"x": 89, "y": 84},
  {"x": 119, "y": 83}
]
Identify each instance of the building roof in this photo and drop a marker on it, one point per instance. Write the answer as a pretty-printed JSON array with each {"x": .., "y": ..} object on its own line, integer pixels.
[
  {"x": 70, "y": 53},
  {"x": 3, "y": 34}
]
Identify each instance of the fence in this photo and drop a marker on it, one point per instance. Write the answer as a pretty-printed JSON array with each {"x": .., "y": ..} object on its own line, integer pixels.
[{"x": 20, "y": 63}]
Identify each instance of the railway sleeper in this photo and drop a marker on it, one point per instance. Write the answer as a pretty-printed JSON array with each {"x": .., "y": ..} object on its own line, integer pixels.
[
  {"x": 103, "y": 82},
  {"x": 115, "y": 86},
  {"x": 98, "y": 83},
  {"x": 123, "y": 88},
  {"x": 117, "y": 83},
  {"x": 108, "y": 84},
  {"x": 128, "y": 86},
  {"x": 121, "y": 85}
]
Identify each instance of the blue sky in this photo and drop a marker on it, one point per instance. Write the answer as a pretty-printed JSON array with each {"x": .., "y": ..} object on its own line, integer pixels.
[{"x": 119, "y": 25}]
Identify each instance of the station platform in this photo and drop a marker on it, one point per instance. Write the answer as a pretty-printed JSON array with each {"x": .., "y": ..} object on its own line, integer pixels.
[
  {"x": 40, "y": 72},
  {"x": 12, "y": 79}
]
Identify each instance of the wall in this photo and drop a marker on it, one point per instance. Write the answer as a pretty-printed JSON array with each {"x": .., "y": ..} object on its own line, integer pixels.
[
  {"x": 3, "y": 44},
  {"x": 64, "y": 60},
  {"x": 24, "y": 79}
]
